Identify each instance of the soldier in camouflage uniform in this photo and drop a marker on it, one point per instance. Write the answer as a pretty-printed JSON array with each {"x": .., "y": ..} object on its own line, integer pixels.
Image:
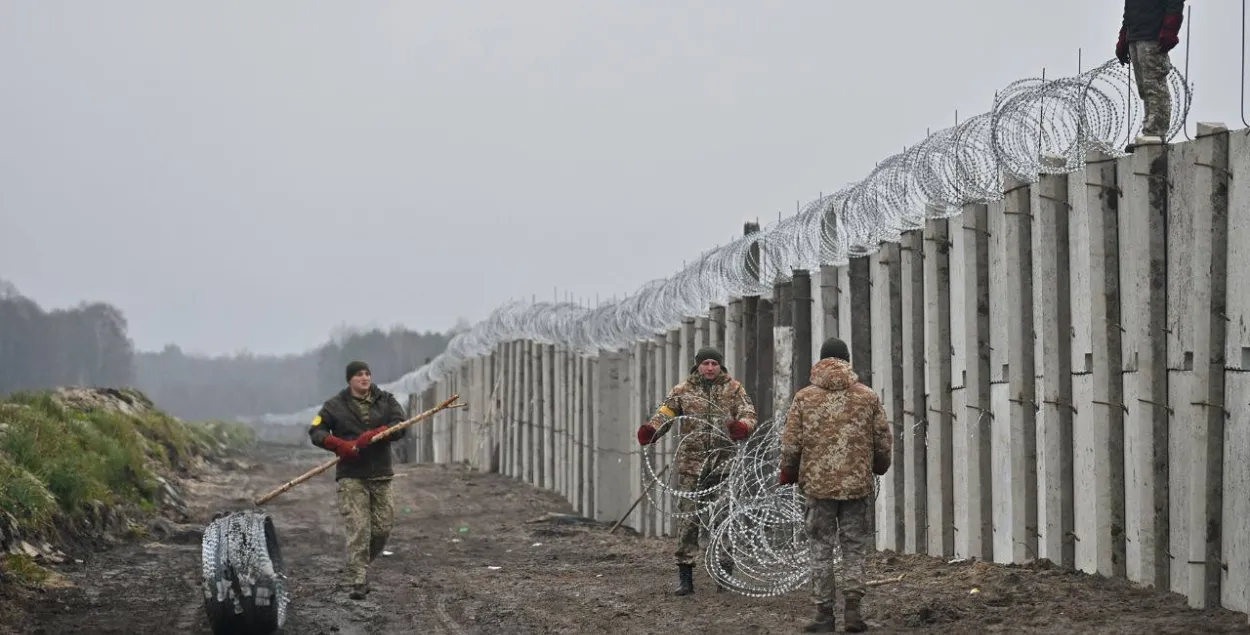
[
  {"x": 836, "y": 438},
  {"x": 1150, "y": 29},
  {"x": 707, "y": 400},
  {"x": 347, "y": 425}
]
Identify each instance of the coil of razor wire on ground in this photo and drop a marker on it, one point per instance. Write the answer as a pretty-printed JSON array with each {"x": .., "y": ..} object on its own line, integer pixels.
[
  {"x": 242, "y": 578},
  {"x": 1034, "y": 126}
]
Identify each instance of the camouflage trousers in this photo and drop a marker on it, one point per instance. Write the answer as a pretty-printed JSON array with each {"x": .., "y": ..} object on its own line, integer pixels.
[
  {"x": 1150, "y": 69},
  {"x": 830, "y": 524},
  {"x": 688, "y": 527},
  {"x": 368, "y": 510}
]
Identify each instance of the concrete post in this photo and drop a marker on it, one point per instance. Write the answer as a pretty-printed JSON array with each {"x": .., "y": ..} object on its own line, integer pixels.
[
  {"x": 801, "y": 366},
  {"x": 1143, "y": 296},
  {"x": 1052, "y": 290},
  {"x": 887, "y": 355},
  {"x": 588, "y": 436},
  {"x": 517, "y": 415},
  {"x": 915, "y": 403},
  {"x": 549, "y": 417},
  {"x": 733, "y": 340},
  {"x": 1197, "y": 267},
  {"x": 639, "y": 411},
  {"x": 859, "y": 279},
  {"x": 612, "y": 467},
  {"x": 976, "y": 529},
  {"x": 783, "y": 352},
  {"x": 830, "y": 309},
  {"x": 765, "y": 360},
  {"x": 659, "y": 389},
  {"x": 749, "y": 367},
  {"x": 427, "y": 432},
  {"x": 940, "y": 481},
  {"x": 1235, "y": 524},
  {"x": 1022, "y": 374},
  {"x": 716, "y": 329},
  {"x": 594, "y": 435},
  {"x": 533, "y": 406}
]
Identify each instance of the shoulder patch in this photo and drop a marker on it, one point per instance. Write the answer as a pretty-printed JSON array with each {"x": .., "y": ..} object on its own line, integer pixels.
[{"x": 316, "y": 421}]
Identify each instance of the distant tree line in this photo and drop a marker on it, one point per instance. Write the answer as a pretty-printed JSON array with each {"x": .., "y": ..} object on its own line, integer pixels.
[
  {"x": 199, "y": 387},
  {"x": 89, "y": 346},
  {"x": 85, "y": 346}
]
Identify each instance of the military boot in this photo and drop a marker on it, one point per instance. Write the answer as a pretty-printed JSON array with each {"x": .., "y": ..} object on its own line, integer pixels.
[
  {"x": 685, "y": 579},
  {"x": 824, "y": 621},
  {"x": 359, "y": 591},
  {"x": 850, "y": 614}
]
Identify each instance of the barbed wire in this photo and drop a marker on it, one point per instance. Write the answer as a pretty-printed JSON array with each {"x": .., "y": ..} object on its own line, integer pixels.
[{"x": 1035, "y": 126}]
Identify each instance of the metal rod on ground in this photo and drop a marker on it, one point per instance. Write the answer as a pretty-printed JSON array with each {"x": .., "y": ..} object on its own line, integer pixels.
[
  {"x": 639, "y": 499},
  {"x": 331, "y": 463}
]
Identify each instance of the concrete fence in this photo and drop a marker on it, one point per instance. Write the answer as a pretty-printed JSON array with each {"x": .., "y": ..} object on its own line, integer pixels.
[{"x": 1066, "y": 372}]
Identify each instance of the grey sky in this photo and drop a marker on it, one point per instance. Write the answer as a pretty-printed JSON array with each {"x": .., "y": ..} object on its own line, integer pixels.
[{"x": 248, "y": 175}]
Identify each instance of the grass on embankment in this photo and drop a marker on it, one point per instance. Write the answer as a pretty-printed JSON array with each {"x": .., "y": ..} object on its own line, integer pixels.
[{"x": 59, "y": 463}]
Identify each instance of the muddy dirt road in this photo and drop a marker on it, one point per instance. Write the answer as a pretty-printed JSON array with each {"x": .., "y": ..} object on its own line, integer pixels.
[{"x": 551, "y": 577}]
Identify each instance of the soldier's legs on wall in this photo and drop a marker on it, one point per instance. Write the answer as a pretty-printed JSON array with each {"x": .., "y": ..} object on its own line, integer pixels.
[
  {"x": 381, "y": 515},
  {"x": 1150, "y": 70},
  {"x": 354, "y": 507},
  {"x": 822, "y": 535},
  {"x": 854, "y": 519}
]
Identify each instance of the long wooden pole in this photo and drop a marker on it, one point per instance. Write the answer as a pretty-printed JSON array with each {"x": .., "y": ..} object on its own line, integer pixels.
[
  {"x": 640, "y": 497},
  {"x": 331, "y": 463}
]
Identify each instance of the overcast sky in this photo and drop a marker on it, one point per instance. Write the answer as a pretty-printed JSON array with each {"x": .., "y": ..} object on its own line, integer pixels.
[{"x": 248, "y": 175}]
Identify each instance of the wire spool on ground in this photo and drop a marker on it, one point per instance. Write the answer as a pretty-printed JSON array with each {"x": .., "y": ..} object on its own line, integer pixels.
[{"x": 243, "y": 583}]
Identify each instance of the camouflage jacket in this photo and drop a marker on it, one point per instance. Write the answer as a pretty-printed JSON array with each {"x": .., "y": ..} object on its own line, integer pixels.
[
  {"x": 836, "y": 436},
  {"x": 702, "y": 404}
]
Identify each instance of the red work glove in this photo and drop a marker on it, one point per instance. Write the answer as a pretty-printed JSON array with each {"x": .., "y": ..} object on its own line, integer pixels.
[
  {"x": 1169, "y": 35},
  {"x": 1121, "y": 46},
  {"x": 737, "y": 430},
  {"x": 365, "y": 439},
  {"x": 646, "y": 434},
  {"x": 346, "y": 450},
  {"x": 786, "y": 477}
]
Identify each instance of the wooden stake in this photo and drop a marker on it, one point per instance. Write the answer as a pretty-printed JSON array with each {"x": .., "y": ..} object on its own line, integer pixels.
[{"x": 331, "y": 463}]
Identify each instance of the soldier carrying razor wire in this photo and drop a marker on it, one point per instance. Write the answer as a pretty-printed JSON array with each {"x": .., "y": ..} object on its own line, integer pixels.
[
  {"x": 836, "y": 438},
  {"x": 1149, "y": 30},
  {"x": 708, "y": 399},
  {"x": 347, "y": 425}
]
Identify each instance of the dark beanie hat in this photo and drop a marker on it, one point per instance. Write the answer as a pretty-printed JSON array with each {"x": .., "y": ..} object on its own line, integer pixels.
[
  {"x": 834, "y": 347},
  {"x": 356, "y": 367},
  {"x": 706, "y": 353}
]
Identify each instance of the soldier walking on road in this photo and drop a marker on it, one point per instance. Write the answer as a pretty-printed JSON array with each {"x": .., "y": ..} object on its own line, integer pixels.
[
  {"x": 346, "y": 425},
  {"x": 836, "y": 438},
  {"x": 707, "y": 400},
  {"x": 1150, "y": 29}
]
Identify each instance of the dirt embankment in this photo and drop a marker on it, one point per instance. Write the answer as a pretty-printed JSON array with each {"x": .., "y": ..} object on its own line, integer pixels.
[
  {"x": 84, "y": 470},
  {"x": 479, "y": 553}
]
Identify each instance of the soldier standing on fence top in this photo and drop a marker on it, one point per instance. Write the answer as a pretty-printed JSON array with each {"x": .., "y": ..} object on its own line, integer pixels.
[
  {"x": 836, "y": 438},
  {"x": 347, "y": 425},
  {"x": 1150, "y": 29},
  {"x": 708, "y": 398}
]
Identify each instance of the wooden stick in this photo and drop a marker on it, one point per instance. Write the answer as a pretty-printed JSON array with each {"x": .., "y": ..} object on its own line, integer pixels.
[
  {"x": 639, "y": 499},
  {"x": 885, "y": 581},
  {"x": 331, "y": 463}
]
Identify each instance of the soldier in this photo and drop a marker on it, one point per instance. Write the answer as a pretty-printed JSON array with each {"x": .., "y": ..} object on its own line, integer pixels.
[
  {"x": 835, "y": 439},
  {"x": 347, "y": 425},
  {"x": 1149, "y": 30},
  {"x": 707, "y": 399}
]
